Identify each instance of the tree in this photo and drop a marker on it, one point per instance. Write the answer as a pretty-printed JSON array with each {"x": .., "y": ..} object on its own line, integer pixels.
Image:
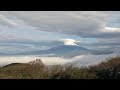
[{"x": 109, "y": 69}]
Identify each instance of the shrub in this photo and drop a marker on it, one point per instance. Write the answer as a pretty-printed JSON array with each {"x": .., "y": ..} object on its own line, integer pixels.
[{"x": 109, "y": 69}]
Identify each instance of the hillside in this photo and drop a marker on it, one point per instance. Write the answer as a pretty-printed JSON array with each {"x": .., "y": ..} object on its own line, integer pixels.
[
  {"x": 13, "y": 65},
  {"x": 109, "y": 69}
]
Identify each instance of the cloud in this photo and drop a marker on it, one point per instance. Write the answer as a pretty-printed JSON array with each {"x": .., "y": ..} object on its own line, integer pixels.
[
  {"x": 82, "y": 60},
  {"x": 74, "y": 22},
  {"x": 85, "y": 60},
  {"x": 25, "y": 59},
  {"x": 109, "y": 29},
  {"x": 5, "y": 21},
  {"x": 6, "y": 37},
  {"x": 86, "y": 24},
  {"x": 69, "y": 41},
  {"x": 82, "y": 23}
]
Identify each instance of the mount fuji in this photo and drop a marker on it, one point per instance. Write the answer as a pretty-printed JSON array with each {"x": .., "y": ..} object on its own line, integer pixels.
[{"x": 69, "y": 49}]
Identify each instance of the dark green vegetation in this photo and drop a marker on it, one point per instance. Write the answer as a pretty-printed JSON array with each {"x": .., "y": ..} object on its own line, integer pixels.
[{"x": 109, "y": 69}]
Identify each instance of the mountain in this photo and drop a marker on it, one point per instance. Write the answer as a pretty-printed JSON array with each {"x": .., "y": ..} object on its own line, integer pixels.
[
  {"x": 60, "y": 51},
  {"x": 67, "y": 51}
]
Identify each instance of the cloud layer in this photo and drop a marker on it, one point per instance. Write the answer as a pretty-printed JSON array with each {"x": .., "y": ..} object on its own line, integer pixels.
[
  {"x": 82, "y": 60},
  {"x": 102, "y": 25},
  {"x": 82, "y": 23}
]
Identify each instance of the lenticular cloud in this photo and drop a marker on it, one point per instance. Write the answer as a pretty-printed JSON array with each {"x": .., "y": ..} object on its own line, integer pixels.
[{"x": 69, "y": 42}]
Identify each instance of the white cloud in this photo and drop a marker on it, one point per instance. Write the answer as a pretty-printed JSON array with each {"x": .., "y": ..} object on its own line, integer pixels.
[
  {"x": 4, "y": 20},
  {"x": 109, "y": 29},
  {"x": 25, "y": 59},
  {"x": 85, "y": 60},
  {"x": 82, "y": 60},
  {"x": 69, "y": 42}
]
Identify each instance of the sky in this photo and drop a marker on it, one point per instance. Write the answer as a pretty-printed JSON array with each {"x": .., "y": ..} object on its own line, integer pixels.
[
  {"x": 93, "y": 29},
  {"x": 25, "y": 31}
]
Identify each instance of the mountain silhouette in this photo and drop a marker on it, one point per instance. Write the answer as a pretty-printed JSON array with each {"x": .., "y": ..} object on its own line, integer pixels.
[{"x": 67, "y": 51}]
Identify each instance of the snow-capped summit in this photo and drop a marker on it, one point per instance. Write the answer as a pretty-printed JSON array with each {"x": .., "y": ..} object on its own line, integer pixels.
[{"x": 70, "y": 44}]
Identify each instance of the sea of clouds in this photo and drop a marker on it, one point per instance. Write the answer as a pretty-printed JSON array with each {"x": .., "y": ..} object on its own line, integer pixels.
[{"x": 82, "y": 60}]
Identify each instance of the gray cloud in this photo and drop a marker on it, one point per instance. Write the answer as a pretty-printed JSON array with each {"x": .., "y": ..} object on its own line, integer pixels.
[
  {"x": 82, "y": 23},
  {"x": 88, "y": 24},
  {"x": 5, "y": 21},
  {"x": 77, "y": 23}
]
